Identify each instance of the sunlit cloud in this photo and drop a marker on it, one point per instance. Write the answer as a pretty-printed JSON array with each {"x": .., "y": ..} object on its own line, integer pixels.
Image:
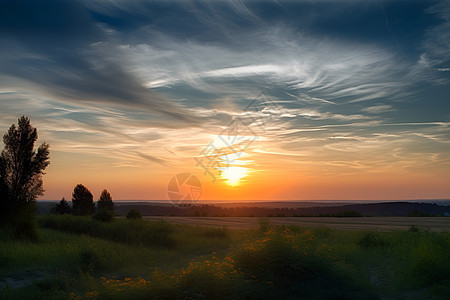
[
  {"x": 378, "y": 109},
  {"x": 127, "y": 85}
]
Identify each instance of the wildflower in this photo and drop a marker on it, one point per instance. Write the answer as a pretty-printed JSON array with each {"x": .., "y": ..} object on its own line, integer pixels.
[{"x": 91, "y": 294}]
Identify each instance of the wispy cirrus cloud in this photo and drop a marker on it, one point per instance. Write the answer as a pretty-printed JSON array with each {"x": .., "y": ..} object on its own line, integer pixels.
[
  {"x": 68, "y": 57},
  {"x": 435, "y": 56},
  {"x": 378, "y": 109},
  {"x": 138, "y": 83}
]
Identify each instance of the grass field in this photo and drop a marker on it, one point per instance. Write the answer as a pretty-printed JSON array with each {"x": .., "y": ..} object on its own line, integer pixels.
[
  {"x": 363, "y": 223},
  {"x": 80, "y": 258}
]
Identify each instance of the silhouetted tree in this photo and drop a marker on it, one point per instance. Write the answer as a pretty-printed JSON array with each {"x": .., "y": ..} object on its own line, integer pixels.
[
  {"x": 105, "y": 201},
  {"x": 82, "y": 201},
  {"x": 21, "y": 170},
  {"x": 63, "y": 207},
  {"x": 5, "y": 202}
]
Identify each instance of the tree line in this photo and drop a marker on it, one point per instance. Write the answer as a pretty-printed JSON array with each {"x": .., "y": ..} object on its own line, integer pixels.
[
  {"x": 21, "y": 170},
  {"x": 83, "y": 204}
]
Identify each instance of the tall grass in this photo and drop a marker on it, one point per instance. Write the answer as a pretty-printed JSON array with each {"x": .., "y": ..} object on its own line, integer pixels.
[
  {"x": 124, "y": 231},
  {"x": 74, "y": 253},
  {"x": 293, "y": 266},
  {"x": 217, "y": 263},
  {"x": 430, "y": 260},
  {"x": 372, "y": 240}
]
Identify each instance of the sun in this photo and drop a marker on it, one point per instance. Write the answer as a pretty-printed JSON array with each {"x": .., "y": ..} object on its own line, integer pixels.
[{"x": 233, "y": 175}]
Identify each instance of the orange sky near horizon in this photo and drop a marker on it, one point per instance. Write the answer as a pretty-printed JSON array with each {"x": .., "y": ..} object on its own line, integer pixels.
[{"x": 269, "y": 177}]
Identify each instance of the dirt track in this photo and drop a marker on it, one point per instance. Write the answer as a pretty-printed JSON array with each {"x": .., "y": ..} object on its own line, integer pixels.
[{"x": 363, "y": 223}]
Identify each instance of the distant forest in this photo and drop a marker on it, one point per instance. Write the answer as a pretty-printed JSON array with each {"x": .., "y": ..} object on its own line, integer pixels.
[{"x": 350, "y": 210}]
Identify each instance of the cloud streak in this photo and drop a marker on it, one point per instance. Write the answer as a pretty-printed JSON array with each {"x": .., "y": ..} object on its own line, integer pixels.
[
  {"x": 67, "y": 57},
  {"x": 140, "y": 83}
]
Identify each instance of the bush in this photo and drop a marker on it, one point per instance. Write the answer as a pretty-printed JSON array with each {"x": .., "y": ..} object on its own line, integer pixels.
[
  {"x": 413, "y": 228},
  {"x": 277, "y": 266},
  {"x": 104, "y": 215},
  {"x": 24, "y": 225},
  {"x": 430, "y": 260},
  {"x": 212, "y": 279},
  {"x": 292, "y": 267},
  {"x": 89, "y": 261},
  {"x": 372, "y": 240},
  {"x": 134, "y": 214}
]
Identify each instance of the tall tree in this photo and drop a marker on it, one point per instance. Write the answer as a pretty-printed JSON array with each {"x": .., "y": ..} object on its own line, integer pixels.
[
  {"x": 21, "y": 170},
  {"x": 82, "y": 201},
  {"x": 105, "y": 201}
]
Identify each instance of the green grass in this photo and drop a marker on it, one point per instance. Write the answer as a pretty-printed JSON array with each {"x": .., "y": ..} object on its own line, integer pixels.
[
  {"x": 122, "y": 230},
  {"x": 78, "y": 257}
]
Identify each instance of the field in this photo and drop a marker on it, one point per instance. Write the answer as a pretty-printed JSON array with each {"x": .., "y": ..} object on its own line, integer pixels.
[
  {"x": 363, "y": 223},
  {"x": 80, "y": 258}
]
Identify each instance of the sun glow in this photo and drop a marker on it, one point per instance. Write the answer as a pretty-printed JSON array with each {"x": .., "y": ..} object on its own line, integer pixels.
[{"x": 233, "y": 175}]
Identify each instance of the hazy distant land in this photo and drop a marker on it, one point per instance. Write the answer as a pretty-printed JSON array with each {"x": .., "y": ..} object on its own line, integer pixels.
[{"x": 277, "y": 208}]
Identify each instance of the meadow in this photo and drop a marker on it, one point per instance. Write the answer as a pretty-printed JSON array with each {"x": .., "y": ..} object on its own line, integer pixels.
[
  {"x": 80, "y": 258},
  {"x": 360, "y": 223}
]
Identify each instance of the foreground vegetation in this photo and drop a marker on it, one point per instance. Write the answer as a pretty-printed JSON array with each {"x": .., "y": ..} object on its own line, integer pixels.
[{"x": 78, "y": 258}]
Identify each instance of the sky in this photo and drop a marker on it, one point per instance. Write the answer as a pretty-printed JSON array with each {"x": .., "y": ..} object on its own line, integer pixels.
[{"x": 260, "y": 100}]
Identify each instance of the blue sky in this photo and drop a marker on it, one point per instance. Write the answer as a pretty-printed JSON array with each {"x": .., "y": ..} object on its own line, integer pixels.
[{"x": 139, "y": 87}]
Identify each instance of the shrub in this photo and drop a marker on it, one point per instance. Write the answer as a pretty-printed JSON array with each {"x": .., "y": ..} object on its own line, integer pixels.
[
  {"x": 373, "y": 240},
  {"x": 431, "y": 260},
  {"x": 104, "y": 215},
  {"x": 134, "y": 214},
  {"x": 24, "y": 225},
  {"x": 90, "y": 261},
  {"x": 413, "y": 228},
  {"x": 211, "y": 279},
  {"x": 289, "y": 266}
]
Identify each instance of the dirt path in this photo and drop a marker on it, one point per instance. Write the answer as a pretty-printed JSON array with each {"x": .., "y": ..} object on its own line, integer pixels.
[
  {"x": 363, "y": 223},
  {"x": 21, "y": 278}
]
